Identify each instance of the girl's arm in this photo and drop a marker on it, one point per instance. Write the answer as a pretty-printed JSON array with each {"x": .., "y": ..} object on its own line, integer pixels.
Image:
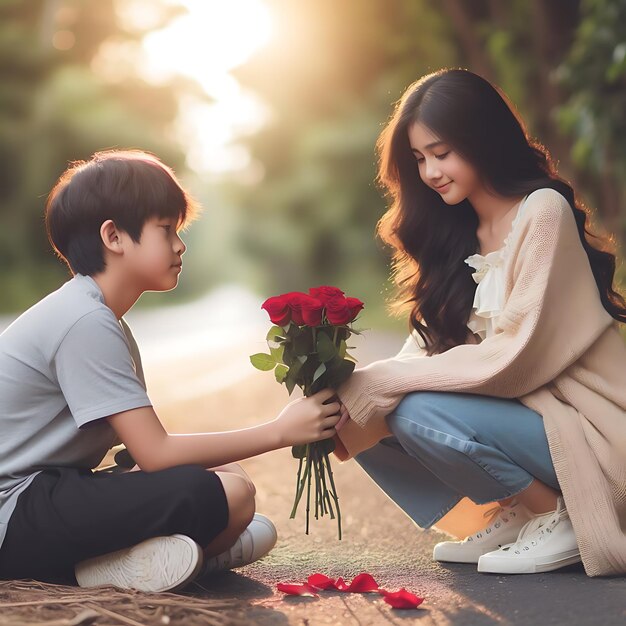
[
  {"x": 153, "y": 448},
  {"x": 550, "y": 289}
]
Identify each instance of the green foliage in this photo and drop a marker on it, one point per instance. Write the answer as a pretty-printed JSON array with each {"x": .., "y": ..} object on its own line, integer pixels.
[
  {"x": 264, "y": 362},
  {"x": 54, "y": 108},
  {"x": 594, "y": 73},
  {"x": 312, "y": 217},
  {"x": 311, "y": 358},
  {"x": 329, "y": 78}
]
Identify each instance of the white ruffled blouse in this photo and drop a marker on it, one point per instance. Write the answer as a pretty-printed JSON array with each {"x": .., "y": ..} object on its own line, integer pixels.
[{"x": 489, "y": 276}]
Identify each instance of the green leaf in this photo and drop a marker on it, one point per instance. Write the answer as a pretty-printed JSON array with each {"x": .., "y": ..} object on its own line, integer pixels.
[
  {"x": 293, "y": 331},
  {"x": 281, "y": 372},
  {"x": 292, "y": 376},
  {"x": 342, "y": 349},
  {"x": 303, "y": 343},
  {"x": 274, "y": 333},
  {"x": 277, "y": 353},
  {"x": 326, "y": 349},
  {"x": 344, "y": 332},
  {"x": 359, "y": 331},
  {"x": 288, "y": 355},
  {"x": 339, "y": 371},
  {"x": 264, "y": 362},
  {"x": 319, "y": 371}
]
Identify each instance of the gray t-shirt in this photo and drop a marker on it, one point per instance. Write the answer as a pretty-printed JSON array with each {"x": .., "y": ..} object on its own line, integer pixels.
[{"x": 65, "y": 363}]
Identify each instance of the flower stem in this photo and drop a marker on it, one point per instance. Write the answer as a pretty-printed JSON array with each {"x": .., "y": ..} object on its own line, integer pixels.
[
  {"x": 298, "y": 490},
  {"x": 326, "y": 498},
  {"x": 308, "y": 485},
  {"x": 316, "y": 471},
  {"x": 299, "y": 487},
  {"x": 334, "y": 492}
]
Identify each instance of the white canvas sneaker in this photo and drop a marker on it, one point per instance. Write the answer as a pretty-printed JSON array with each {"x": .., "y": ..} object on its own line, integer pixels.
[
  {"x": 546, "y": 543},
  {"x": 157, "y": 564},
  {"x": 504, "y": 527},
  {"x": 253, "y": 543}
]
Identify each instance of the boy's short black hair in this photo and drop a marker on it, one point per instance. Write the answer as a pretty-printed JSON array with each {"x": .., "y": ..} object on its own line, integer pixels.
[{"x": 126, "y": 186}]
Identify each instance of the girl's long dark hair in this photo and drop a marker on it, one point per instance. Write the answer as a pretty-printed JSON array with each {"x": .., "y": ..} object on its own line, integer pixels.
[{"x": 429, "y": 238}]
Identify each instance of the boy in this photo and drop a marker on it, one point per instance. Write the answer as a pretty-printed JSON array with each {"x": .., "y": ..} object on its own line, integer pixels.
[{"x": 71, "y": 386}]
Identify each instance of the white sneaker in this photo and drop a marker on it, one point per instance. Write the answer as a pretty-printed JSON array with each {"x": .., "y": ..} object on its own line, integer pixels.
[
  {"x": 253, "y": 543},
  {"x": 504, "y": 527},
  {"x": 157, "y": 564},
  {"x": 546, "y": 543}
]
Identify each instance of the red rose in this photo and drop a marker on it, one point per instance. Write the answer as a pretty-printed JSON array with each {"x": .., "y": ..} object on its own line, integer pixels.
[
  {"x": 278, "y": 309},
  {"x": 305, "y": 309},
  {"x": 355, "y": 306},
  {"x": 296, "y": 300},
  {"x": 325, "y": 293},
  {"x": 338, "y": 311},
  {"x": 312, "y": 310}
]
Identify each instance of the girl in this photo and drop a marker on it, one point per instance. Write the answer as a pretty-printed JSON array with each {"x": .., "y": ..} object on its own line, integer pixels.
[{"x": 513, "y": 307}]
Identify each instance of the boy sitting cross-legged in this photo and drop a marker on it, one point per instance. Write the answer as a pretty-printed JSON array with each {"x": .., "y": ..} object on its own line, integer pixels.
[{"x": 72, "y": 386}]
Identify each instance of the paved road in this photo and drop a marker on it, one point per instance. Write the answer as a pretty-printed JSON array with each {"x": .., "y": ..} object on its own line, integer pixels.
[{"x": 378, "y": 538}]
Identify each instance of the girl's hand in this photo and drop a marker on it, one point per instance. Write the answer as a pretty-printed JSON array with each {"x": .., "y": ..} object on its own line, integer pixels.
[
  {"x": 308, "y": 419},
  {"x": 345, "y": 416}
]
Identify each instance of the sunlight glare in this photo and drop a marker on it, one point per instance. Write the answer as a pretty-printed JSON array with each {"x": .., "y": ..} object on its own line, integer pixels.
[
  {"x": 209, "y": 40},
  {"x": 204, "y": 44}
]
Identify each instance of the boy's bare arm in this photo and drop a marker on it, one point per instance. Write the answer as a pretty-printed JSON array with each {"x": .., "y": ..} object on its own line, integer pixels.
[{"x": 153, "y": 448}]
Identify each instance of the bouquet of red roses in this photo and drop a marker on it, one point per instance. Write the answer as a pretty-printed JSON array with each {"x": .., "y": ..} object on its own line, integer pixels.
[{"x": 308, "y": 348}]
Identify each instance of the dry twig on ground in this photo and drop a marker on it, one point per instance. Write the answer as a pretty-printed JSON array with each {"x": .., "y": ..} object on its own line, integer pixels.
[{"x": 32, "y": 603}]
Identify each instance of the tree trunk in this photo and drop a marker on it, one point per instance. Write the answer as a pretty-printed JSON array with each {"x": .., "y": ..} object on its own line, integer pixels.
[
  {"x": 466, "y": 32},
  {"x": 553, "y": 26}
]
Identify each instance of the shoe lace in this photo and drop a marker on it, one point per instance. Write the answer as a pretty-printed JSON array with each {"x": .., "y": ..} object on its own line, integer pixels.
[
  {"x": 537, "y": 530},
  {"x": 498, "y": 515}
]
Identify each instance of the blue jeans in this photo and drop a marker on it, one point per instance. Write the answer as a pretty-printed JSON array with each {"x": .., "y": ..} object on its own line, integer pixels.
[{"x": 449, "y": 445}]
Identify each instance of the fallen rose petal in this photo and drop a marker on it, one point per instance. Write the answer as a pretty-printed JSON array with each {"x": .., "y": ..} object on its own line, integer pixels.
[
  {"x": 363, "y": 583},
  {"x": 341, "y": 585},
  {"x": 321, "y": 581},
  {"x": 297, "y": 589},
  {"x": 401, "y": 599}
]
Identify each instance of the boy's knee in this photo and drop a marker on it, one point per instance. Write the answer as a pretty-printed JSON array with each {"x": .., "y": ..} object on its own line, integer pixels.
[
  {"x": 240, "y": 497},
  {"x": 236, "y": 469}
]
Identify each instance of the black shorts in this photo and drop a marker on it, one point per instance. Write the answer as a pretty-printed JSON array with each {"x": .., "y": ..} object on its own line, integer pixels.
[{"x": 67, "y": 515}]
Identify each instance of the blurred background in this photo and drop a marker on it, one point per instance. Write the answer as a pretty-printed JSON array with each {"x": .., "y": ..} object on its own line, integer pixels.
[{"x": 269, "y": 110}]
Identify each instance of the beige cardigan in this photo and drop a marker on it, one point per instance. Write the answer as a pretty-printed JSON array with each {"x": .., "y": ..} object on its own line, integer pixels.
[{"x": 558, "y": 351}]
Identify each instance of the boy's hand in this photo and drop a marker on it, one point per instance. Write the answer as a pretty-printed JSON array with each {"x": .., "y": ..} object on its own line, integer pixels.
[{"x": 308, "y": 419}]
